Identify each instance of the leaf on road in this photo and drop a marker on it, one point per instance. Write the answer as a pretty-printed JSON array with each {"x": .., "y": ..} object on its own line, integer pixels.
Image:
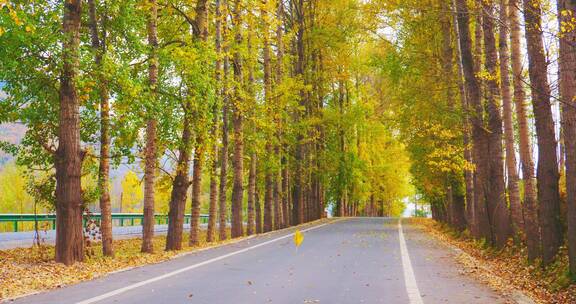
[{"x": 298, "y": 238}]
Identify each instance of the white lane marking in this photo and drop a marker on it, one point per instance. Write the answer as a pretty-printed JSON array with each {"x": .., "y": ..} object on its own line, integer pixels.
[
  {"x": 409, "y": 278},
  {"x": 173, "y": 273}
]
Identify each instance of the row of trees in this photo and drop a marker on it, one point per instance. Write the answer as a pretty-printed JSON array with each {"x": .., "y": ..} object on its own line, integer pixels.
[
  {"x": 472, "y": 145},
  {"x": 278, "y": 104}
]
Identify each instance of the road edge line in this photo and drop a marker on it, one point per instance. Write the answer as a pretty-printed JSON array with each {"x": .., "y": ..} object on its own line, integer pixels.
[{"x": 409, "y": 278}]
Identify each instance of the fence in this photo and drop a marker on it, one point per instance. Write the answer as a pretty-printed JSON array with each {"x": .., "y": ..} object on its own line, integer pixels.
[{"x": 118, "y": 219}]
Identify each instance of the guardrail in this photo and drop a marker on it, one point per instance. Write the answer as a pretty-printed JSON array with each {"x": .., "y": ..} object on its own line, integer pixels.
[{"x": 119, "y": 218}]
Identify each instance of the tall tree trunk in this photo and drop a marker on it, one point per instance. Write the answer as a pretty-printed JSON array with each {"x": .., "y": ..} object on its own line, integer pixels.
[
  {"x": 513, "y": 189},
  {"x": 214, "y": 172},
  {"x": 150, "y": 150},
  {"x": 531, "y": 225},
  {"x": 68, "y": 158},
  {"x": 548, "y": 190},
  {"x": 268, "y": 196},
  {"x": 194, "y": 238},
  {"x": 456, "y": 203},
  {"x": 213, "y": 189},
  {"x": 567, "y": 64},
  {"x": 258, "y": 207},
  {"x": 479, "y": 137},
  {"x": 278, "y": 217},
  {"x": 237, "y": 122},
  {"x": 180, "y": 186},
  {"x": 285, "y": 192},
  {"x": 269, "y": 180},
  {"x": 499, "y": 214},
  {"x": 201, "y": 33},
  {"x": 298, "y": 199},
  {"x": 99, "y": 49},
  {"x": 468, "y": 173},
  {"x": 251, "y": 195},
  {"x": 224, "y": 152}
]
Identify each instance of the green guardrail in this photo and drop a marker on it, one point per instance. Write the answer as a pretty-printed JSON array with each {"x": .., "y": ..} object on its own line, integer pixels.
[{"x": 120, "y": 218}]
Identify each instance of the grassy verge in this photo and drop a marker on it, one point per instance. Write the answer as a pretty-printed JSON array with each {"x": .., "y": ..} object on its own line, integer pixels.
[{"x": 508, "y": 269}]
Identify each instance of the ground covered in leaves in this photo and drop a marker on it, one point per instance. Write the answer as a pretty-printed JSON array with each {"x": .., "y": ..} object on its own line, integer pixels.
[
  {"x": 29, "y": 270},
  {"x": 508, "y": 270}
]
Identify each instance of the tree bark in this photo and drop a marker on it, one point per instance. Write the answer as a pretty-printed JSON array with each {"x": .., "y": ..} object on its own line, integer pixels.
[
  {"x": 531, "y": 225},
  {"x": 99, "y": 49},
  {"x": 180, "y": 186},
  {"x": 548, "y": 190},
  {"x": 194, "y": 238},
  {"x": 251, "y": 195},
  {"x": 298, "y": 198},
  {"x": 148, "y": 220},
  {"x": 237, "y": 122},
  {"x": 213, "y": 188},
  {"x": 513, "y": 188},
  {"x": 68, "y": 158},
  {"x": 268, "y": 196},
  {"x": 468, "y": 173},
  {"x": 258, "y": 207},
  {"x": 479, "y": 137},
  {"x": 499, "y": 214},
  {"x": 224, "y": 152},
  {"x": 567, "y": 64},
  {"x": 212, "y": 213}
]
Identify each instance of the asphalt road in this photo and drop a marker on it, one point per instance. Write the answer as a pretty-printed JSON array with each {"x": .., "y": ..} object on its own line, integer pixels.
[{"x": 360, "y": 260}]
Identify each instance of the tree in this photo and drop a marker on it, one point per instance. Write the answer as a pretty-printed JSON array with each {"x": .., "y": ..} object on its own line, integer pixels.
[
  {"x": 531, "y": 225},
  {"x": 151, "y": 125},
  {"x": 567, "y": 64},
  {"x": 99, "y": 49},
  {"x": 516, "y": 214},
  {"x": 497, "y": 207},
  {"x": 547, "y": 174},
  {"x": 237, "y": 123}
]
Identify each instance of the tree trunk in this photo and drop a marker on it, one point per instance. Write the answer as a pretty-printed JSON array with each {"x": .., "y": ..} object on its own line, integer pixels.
[
  {"x": 278, "y": 216},
  {"x": 567, "y": 64},
  {"x": 548, "y": 191},
  {"x": 268, "y": 196},
  {"x": 299, "y": 157},
  {"x": 68, "y": 158},
  {"x": 499, "y": 214},
  {"x": 194, "y": 238},
  {"x": 180, "y": 186},
  {"x": 99, "y": 49},
  {"x": 237, "y": 122},
  {"x": 213, "y": 176},
  {"x": 513, "y": 189},
  {"x": 285, "y": 192},
  {"x": 251, "y": 195},
  {"x": 531, "y": 225},
  {"x": 258, "y": 207},
  {"x": 479, "y": 136},
  {"x": 213, "y": 190},
  {"x": 468, "y": 174},
  {"x": 148, "y": 220}
]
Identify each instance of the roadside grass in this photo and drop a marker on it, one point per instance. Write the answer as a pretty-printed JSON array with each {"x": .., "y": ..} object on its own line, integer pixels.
[
  {"x": 30, "y": 270},
  {"x": 508, "y": 269}
]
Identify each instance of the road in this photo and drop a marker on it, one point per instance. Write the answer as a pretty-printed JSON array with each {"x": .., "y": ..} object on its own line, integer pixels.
[{"x": 355, "y": 260}]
